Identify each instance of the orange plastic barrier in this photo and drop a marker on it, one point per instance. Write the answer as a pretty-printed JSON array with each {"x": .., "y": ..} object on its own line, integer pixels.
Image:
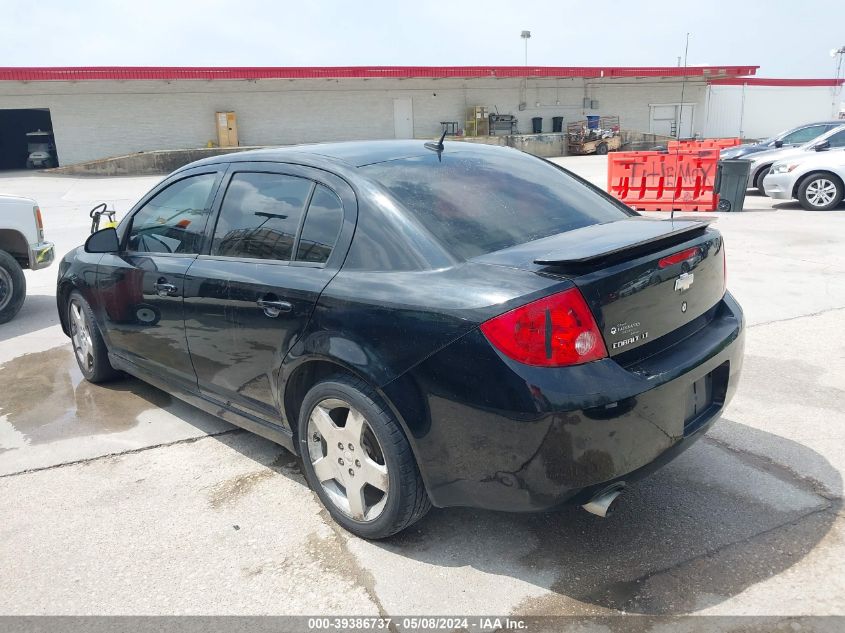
[
  {"x": 706, "y": 143},
  {"x": 653, "y": 181}
]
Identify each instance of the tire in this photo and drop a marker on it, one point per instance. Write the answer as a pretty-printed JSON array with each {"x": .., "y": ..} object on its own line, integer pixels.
[
  {"x": 601, "y": 149},
  {"x": 30, "y": 164},
  {"x": 12, "y": 287},
  {"x": 820, "y": 192},
  {"x": 758, "y": 181},
  {"x": 390, "y": 491},
  {"x": 89, "y": 348}
]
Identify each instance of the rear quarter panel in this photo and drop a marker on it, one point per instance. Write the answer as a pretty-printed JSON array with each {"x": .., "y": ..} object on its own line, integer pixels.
[
  {"x": 380, "y": 324},
  {"x": 16, "y": 214}
]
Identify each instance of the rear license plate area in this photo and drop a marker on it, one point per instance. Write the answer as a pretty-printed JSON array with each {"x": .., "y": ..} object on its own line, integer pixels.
[{"x": 705, "y": 397}]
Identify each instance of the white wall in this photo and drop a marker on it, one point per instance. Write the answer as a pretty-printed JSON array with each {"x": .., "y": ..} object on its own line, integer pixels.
[
  {"x": 95, "y": 119},
  {"x": 756, "y": 112}
]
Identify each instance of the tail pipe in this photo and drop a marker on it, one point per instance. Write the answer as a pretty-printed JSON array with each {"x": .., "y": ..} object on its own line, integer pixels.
[{"x": 601, "y": 504}]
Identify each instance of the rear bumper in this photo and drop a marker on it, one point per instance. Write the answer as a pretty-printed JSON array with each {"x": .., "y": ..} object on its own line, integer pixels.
[
  {"x": 41, "y": 255},
  {"x": 505, "y": 436}
]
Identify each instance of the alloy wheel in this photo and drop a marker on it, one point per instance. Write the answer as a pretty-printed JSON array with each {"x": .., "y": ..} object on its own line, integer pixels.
[
  {"x": 6, "y": 288},
  {"x": 80, "y": 334},
  {"x": 820, "y": 192},
  {"x": 347, "y": 460}
]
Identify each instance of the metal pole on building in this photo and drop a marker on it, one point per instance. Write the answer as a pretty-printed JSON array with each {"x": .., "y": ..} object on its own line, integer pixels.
[
  {"x": 526, "y": 35},
  {"x": 837, "y": 53},
  {"x": 683, "y": 90},
  {"x": 680, "y": 119}
]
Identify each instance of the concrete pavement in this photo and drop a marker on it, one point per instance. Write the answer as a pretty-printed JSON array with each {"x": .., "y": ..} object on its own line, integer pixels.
[{"x": 122, "y": 500}]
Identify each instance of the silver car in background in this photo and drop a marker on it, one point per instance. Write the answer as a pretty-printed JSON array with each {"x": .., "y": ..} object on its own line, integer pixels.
[
  {"x": 789, "y": 138},
  {"x": 817, "y": 181},
  {"x": 763, "y": 161}
]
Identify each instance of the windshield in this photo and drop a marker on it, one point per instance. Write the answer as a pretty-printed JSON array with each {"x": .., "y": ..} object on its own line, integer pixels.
[{"x": 476, "y": 204}]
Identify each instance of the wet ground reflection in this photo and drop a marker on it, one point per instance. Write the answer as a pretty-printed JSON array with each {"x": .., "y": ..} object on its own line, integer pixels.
[{"x": 44, "y": 398}]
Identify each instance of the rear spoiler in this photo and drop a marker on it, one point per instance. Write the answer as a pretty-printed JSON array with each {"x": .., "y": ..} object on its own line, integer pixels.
[{"x": 631, "y": 236}]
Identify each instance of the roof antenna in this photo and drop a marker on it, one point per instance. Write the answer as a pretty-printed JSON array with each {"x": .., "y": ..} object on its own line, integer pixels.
[{"x": 438, "y": 146}]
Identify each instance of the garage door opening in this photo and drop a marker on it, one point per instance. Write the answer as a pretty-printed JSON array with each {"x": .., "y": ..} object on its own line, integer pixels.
[{"x": 16, "y": 146}]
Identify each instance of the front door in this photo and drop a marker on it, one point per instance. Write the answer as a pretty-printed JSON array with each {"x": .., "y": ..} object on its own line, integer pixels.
[
  {"x": 140, "y": 287},
  {"x": 250, "y": 297},
  {"x": 403, "y": 118}
]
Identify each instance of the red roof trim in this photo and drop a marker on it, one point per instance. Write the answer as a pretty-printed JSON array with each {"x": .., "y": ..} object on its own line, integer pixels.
[
  {"x": 126, "y": 73},
  {"x": 764, "y": 81}
]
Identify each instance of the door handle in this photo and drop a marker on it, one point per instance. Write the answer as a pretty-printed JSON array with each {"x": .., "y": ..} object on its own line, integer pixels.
[
  {"x": 163, "y": 288},
  {"x": 274, "y": 307}
]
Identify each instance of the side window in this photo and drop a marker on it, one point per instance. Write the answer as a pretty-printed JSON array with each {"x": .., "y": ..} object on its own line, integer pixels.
[
  {"x": 174, "y": 220},
  {"x": 260, "y": 216},
  {"x": 804, "y": 135},
  {"x": 837, "y": 139},
  {"x": 322, "y": 225}
]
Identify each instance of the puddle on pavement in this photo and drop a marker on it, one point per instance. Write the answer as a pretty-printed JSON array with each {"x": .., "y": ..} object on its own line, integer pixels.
[{"x": 44, "y": 398}]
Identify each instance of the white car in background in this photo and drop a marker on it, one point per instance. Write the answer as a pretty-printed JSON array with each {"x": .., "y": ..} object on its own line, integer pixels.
[
  {"x": 763, "y": 161},
  {"x": 817, "y": 181}
]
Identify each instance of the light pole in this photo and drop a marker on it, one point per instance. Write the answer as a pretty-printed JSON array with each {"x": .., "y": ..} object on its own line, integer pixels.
[
  {"x": 838, "y": 54},
  {"x": 526, "y": 35}
]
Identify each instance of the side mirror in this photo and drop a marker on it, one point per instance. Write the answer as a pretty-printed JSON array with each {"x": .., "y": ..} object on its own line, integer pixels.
[
  {"x": 820, "y": 147},
  {"x": 103, "y": 241},
  {"x": 778, "y": 144}
]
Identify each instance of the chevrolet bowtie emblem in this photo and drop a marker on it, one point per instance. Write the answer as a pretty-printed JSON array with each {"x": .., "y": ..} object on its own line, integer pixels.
[{"x": 683, "y": 283}]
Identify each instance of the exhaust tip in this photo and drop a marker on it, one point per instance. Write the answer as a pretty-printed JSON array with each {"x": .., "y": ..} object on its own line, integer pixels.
[{"x": 601, "y": 504}]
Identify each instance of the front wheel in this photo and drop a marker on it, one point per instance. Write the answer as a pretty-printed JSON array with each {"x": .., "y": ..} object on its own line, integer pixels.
[
  {"x": 820, "y": 192},
  {"x": 12, "y": 287},
  {"x": 358, "y": 460},
  {"x": 88, "y": 346}
]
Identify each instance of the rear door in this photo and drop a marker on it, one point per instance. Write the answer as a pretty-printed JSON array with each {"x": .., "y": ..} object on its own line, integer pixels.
[
  {"x": 140, "y": 287},
  {"x": 275, "y": 245}
]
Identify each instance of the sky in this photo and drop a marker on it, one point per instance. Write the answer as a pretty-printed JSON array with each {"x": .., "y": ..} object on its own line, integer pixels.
[{"x": 784, "y": 37}]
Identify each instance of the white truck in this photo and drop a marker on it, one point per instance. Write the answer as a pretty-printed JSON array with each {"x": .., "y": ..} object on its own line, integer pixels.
[{"x": 22, "y": 245}]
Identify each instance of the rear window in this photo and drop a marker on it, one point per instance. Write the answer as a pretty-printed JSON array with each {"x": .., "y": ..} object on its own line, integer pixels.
[{"x": 475, "y": 205}]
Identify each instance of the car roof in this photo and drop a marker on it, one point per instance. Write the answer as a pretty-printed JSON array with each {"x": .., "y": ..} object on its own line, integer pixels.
[
  {"x": 828, "y": 122},
  {"x": 348, "y": 153}
]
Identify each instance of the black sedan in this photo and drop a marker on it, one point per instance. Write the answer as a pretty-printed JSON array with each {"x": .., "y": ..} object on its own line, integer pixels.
[{"x": 424, "y": 324}]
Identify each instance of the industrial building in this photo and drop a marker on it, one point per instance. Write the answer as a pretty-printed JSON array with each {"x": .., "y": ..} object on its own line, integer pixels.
[{"x": 101, "y": 112}]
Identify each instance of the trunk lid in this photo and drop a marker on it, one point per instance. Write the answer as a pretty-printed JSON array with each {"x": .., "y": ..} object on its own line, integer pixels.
[{"x": 642, "y": 278}]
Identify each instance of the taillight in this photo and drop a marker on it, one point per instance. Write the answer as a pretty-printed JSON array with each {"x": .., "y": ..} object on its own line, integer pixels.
[
  {"x": 39, "y": 223},
  {"x": 677, "y": 258},
  {"x": 553, "y": 331}
]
